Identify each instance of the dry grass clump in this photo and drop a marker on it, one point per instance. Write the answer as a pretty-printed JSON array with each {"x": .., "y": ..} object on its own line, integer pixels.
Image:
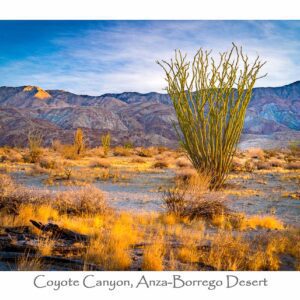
[
  {"x": 122, "y": 151},
  {"x": 28, "y": 263},
  {"x": 294, "y": 147},
  {"x": 146, "y": 152},
  {"x": 269, "y": 222},
  {"x": 100, "y": 163},
  {"x": 48, "y": 163},
  {"x": 256, "y": 153},
  {"x": 237, "y": 164},
  {"x": 45, "y": 246},
  {"x": 94, "y": 152},
  {"x": 190, "y": 199},
  {"x": 228, "y": 252},
  {"x": 183, "y": 162},
  {"x": 89, "y": 200},
  {"x": 153, "y": 256},
  {"x": 293, "y": 165},
  {"x": 11, "y": 155},
  {"x": 184, "y": 175},
  {"x": 138, "y": 160},
  {"x": 44, "y": 205},
  {"x": 110, "y": 249},
  {"x": 188, "y": 252},
  {"x": 37, "y": 170},
  {"x": 240, "y": 221},
  {"x": 261, "y": 165},
  {"x": 13, "y": 196},
  {"x": 160, "y": 164},
  {"x": 67, "y": 151},
  {"x": 276, "y": 163}
]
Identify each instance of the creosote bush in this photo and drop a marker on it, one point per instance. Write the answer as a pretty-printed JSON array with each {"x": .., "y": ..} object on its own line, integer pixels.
[{"x": 210, "y": 99}]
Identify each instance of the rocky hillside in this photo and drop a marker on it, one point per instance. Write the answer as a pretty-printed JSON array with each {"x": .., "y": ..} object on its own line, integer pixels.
[{"x": 144, "y": 119}]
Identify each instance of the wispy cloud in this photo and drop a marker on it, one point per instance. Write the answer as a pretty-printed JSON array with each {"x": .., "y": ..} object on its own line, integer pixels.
[{"x": 120, "y": 56}]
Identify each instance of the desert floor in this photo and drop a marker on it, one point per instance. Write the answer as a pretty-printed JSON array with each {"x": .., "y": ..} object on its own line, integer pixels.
[{"x": 147, "y": 209}]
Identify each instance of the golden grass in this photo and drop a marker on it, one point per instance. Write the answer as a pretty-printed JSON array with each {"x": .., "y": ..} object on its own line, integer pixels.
[
  {"x": 111, "y": 247},
  {"x": 114, "y": 235},
  {"x": 242, "y": 222},
  {"x": 45, "y": 246},
  {"x": 153, "y": 257},
  {"x": 27, "y": 263}
]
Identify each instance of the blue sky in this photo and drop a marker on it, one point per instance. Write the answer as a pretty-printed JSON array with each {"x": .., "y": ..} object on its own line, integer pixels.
[{"x": 96, "y": 57}]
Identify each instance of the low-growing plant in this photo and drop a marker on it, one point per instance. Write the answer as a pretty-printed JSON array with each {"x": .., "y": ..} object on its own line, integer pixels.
[
  {"x": 161, "y": 164},
  {"x": 122, "y": 151},
  {"x": 100, "y": 163}
]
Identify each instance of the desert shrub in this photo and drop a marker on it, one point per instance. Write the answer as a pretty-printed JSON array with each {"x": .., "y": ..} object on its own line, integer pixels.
[
  {"x": 105, "y": 141},
  {"x": 13, "y": 196},
  {"x": 185, "y": 175},
  {"x": 162, "y": 149},
  {"x": 261, "y": 165},
  {"x": 276, "y": 163},
  {"x": 161, "y": 164},
  {"x": 11, "y": 155},
  {"x": 3, "y": 158},
  {"x": 190, "y": 199},
  {"x": 145, "y": 152},
  {"x": 294, "y": 147},
  {"x": 100, "y": 163},
  {"x": 293, "y": 165},
  {"x": 138, "y": 160},
  {"x": 35, "y": 142},
  {"x": 205, "y": 208},
  {"x": 56, "y": 145},
  {"x": 88, "y": 200},
  {"x": 210, "y": 100},
  {"x": 79, "y": 143},
  {"x": 256, "y": 153},
  {"x": 237, "y": 165},
  {"x": 249, "y": 166},
  {"x": 183, "y": 162},
  {"x": 128, "y": 145},
  {"x": 122, "y": 151},
  {"x": 68, "y": 151},
  {"x": 38, "y": 170},
  {"x": 67, "y": 172},
  {"x": 269, "y": 153},
  {"x": 174, "y": 201},
  {"x": 48, "y": 163}
]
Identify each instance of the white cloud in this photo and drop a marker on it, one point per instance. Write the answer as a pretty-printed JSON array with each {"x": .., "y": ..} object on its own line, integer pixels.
[{"x": 122, "y": 57}]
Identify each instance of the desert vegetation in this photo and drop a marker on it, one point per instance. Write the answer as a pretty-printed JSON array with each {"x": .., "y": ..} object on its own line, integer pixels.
[
  {"x": 210, "y": 99},
  {"x": 57, "y": 213},
  {"x": 204, "y": 206}
]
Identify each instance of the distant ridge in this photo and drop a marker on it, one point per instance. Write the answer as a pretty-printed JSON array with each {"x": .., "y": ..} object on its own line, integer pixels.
[{"x": 145, "y": 119}]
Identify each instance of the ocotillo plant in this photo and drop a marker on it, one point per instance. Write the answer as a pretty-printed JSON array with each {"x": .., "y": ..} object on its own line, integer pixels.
[
  {"x": 105, "y": 141},
  {"x": 79, "y": 141},
  {"x": 210, "y": 99}
]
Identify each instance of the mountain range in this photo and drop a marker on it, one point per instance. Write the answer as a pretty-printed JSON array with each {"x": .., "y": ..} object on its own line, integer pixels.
[{"x": 144, "y": 119}]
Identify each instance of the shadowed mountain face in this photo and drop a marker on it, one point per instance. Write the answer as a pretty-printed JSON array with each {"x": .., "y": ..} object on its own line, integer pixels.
[{"x": 144, "y": 119}]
